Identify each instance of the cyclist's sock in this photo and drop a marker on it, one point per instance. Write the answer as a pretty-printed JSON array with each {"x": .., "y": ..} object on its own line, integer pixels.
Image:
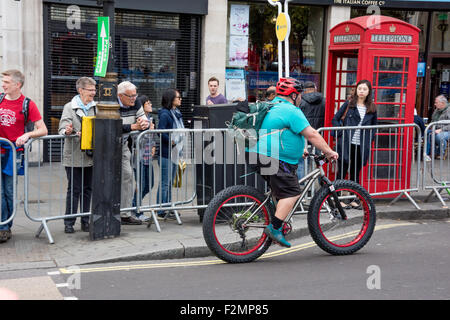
[{"x": 277, "y": 223}]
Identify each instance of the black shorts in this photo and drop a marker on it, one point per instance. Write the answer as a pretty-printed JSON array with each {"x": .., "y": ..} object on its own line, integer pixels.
[{"x": 283, "y": 180}]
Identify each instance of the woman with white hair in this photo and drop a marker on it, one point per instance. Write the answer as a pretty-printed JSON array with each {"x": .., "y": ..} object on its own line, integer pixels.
[{"x": 78, "y": 164}]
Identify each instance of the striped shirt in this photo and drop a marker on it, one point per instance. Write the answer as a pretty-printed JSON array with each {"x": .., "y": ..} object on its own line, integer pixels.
[{"x": 362, "y": 112}]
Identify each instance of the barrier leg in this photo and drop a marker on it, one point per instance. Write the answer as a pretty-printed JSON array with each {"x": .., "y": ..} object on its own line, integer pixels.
[
  {"x": 407, "y": 196},
  {"x": 38, "y": 232},
  {"x": 155, "y": 220},
  {"x": 438, "y": 195},
  {"x": 44, "y": 226},
  {"x": 177, "y": 216}
]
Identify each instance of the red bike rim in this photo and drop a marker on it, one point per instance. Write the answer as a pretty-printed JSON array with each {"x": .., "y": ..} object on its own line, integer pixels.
[
  {"x": 263, "y": 235},
  {"x": 364, "y": 227}
]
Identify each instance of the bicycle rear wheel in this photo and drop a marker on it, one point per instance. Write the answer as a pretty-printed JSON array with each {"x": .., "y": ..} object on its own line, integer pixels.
[
  {"x": 224, "y": 228},
  {"x": 334, "y": 234}
]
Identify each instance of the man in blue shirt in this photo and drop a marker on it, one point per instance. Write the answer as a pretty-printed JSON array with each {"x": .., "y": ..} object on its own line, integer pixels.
[{"x": 282, "y": 141}]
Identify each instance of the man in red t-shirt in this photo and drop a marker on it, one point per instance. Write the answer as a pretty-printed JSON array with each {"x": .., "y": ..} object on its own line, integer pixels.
[{"x": 12, "y": 127}]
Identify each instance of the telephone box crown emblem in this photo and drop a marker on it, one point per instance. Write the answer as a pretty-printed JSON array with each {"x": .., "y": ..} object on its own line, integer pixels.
[{"x": 392, "y": 28}]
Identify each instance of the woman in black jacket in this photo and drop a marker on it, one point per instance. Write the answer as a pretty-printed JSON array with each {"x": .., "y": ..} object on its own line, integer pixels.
[
  {"x": 171, "y": 144},
  {"x": 354, "y": 146}
]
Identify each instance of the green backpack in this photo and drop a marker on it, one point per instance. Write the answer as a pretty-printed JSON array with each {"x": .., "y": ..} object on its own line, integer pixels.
[{"x": 247, "y": 121}]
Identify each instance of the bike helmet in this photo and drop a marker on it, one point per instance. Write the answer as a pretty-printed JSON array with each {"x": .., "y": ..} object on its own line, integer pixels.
[{"x": 286, "y": 86}]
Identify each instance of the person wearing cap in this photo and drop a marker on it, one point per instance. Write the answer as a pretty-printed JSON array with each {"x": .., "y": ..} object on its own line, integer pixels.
[
  {"x": 313, "y": 105},
  {"x": 279, "y": 148}
]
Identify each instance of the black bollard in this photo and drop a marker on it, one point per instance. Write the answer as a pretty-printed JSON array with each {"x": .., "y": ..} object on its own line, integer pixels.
[{"x": 105, "y": 219}]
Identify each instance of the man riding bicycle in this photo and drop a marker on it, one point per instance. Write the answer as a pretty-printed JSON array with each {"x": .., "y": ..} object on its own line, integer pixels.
[{"x": 287, "y": 129}]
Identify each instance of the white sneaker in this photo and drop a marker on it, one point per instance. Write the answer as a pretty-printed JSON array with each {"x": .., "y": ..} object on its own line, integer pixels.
[
  {"x": 144, "y": 218},
  {"x": 427, "y": 158}
]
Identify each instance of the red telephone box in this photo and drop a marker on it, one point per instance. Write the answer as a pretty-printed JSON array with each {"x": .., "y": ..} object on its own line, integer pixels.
[{"x": 385, "y": 51}]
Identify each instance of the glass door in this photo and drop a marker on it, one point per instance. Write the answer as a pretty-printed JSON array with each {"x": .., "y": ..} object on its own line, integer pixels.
[{"x": 389, "y": 166}]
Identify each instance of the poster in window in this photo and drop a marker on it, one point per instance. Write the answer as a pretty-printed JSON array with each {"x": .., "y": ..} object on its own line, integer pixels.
[
  {"x": 238, "y": 51},
  {"x": 239, "y": 20}
]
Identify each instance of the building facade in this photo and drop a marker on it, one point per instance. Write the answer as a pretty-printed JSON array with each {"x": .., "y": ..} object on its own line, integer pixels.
[{"x": 178, "y": 43}]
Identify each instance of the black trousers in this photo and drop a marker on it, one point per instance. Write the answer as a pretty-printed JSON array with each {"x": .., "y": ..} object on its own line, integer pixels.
[
  {"x": 79, "y": 190},
  {"x": 354, "y": 163}
]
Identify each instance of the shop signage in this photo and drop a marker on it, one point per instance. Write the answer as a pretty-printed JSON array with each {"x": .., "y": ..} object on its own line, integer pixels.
[
  {"x": 391, "y": 38},
  {"x": 410, "y": 4},
  {"x": 102, "y": 46},
  {"x": 346, "y": 38},
  {"x": 282, "y": 26}
]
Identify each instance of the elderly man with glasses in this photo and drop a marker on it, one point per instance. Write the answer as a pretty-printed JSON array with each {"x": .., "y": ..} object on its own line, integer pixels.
[{"x": 131, "y": 113}]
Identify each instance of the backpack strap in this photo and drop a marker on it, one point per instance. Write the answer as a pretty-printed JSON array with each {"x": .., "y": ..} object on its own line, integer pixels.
[{"x": 25, "y": 105}]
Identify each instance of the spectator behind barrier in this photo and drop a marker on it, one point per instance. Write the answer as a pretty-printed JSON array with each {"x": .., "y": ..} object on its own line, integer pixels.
[
  {"x": 78, "y": 164},
  {"x": 442, "y": 132},
  {"x": 214, "y": 96},
  {"x": 133, "y": 117},
  {"x": 147, "y": 147},
  {"x": 12, "y": 127},
  {"x": 354, "y": 146},
  {"x": 170, "y": 117}
]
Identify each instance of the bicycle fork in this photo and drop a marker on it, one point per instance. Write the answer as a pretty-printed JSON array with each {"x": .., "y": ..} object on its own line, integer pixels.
[{"x": 324, "y": 181}]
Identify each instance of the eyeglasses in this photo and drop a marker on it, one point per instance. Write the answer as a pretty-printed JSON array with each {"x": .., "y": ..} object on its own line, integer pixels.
[
  {"x": 178, "y": 97},
  {"x": 90, "y": 90},
  {"x": 134, "y": 96}
]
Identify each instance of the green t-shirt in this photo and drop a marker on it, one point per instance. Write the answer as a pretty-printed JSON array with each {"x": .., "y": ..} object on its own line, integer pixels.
[{"x": 286, "y": 145}]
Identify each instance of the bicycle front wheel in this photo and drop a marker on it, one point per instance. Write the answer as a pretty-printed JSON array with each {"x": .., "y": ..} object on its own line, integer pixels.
[
  {"x": 329, "y": 230},
  {"x": 233, "y": 226}
]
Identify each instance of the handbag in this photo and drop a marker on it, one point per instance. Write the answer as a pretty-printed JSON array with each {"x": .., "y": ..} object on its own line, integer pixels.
[{"x": 181, "y": 167}]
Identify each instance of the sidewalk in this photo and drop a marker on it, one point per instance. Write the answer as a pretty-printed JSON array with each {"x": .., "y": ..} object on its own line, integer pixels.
[{"x": 25, "y": 251}]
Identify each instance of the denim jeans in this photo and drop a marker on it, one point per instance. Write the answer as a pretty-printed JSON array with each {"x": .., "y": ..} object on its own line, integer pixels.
[
  {"x": 147, "y": 182},
  {"x": 7, "y": 197},
  {"x": 441, "y": 140},
  {"x": 301, "y": 168},
  {"x": 167, "y": 175}
]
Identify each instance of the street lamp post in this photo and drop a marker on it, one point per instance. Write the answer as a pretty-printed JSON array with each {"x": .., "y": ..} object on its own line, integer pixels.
[{"x": 106, "y": 187}]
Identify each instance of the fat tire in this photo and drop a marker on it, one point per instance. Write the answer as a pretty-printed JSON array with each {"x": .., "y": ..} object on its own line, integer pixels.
[
  {"x": 314, "y": 225},
  {"x": 209, "y": 218}
]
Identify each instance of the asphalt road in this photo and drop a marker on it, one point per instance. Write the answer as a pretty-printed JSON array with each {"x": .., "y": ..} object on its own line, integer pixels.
[{"x": 403, "y": 260}]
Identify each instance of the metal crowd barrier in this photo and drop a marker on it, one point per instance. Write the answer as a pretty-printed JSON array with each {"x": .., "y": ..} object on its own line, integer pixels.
[
  {"x": 387, "y": 171},
  {"x": 45, "y": 184},
  {"x": 6, "y": 144},
  {"x": 437, "y": 160},
  {"x": 213, "y": 162}
]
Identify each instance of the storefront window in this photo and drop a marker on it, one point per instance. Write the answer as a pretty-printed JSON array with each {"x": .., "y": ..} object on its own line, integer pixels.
[
  {"x": 440, "y": 35},
  {"x": 252, "y": 46}
]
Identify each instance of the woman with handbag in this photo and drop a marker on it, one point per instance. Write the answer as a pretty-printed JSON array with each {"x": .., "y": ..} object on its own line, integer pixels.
[
  {"x": 171, "y": 146},
  {"x": 78, "y": 164},
  {"x": 354, "y": 146}
]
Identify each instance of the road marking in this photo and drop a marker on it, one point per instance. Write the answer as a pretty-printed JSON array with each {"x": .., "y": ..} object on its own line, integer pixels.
[
  {"x": 143, "y": 266},
  {"x": 218, "y": 261}
]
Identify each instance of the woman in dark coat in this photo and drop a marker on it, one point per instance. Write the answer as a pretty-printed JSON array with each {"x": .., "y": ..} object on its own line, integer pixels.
[
  {"x": 171, "y": 145},
  {"x": 354, "y": 146}
]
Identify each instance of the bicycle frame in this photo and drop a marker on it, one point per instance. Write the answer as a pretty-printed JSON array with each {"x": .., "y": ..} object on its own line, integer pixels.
[{"x": 310, "y": 178}]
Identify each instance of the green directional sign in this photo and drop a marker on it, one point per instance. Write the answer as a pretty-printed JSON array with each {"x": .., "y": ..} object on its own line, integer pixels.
[{"x": 102, "y": 46}]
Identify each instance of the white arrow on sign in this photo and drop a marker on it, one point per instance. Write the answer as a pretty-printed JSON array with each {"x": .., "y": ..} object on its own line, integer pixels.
[{"x": 103, "y": 36}]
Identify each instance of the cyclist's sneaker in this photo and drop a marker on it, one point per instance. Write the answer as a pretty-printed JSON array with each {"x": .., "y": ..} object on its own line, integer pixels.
[{"x": 277, "y": 235}]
